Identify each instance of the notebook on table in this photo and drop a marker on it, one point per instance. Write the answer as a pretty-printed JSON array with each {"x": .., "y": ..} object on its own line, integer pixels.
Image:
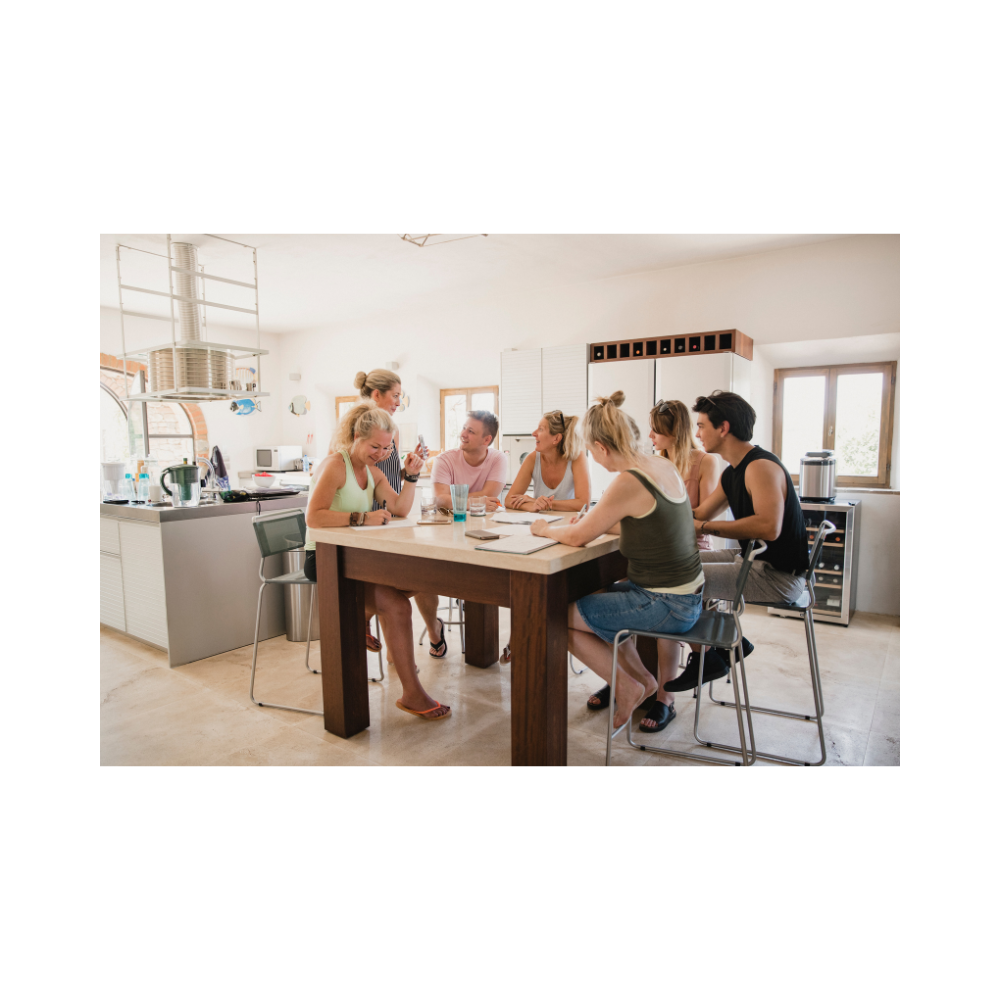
[{"x": 522, "y": 544}]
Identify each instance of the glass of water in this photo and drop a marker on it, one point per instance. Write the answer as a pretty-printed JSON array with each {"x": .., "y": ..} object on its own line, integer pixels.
[
  {"x": 477, "y": 506},
  {"x": 428, "y": 505},
  {"x": 459, "y": 500}
]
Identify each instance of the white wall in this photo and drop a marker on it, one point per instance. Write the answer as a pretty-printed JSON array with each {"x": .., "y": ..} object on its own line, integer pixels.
[{"x": 236, "y": 436}]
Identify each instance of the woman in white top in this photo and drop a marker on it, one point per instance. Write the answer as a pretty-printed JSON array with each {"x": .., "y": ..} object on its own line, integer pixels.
[{"x": 557, "y": 468}]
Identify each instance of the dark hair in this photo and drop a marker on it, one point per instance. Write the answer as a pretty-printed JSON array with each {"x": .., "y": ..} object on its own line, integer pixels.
[
  {"x": 488, "y": 420},
  {"x": 722, "y": 405}
]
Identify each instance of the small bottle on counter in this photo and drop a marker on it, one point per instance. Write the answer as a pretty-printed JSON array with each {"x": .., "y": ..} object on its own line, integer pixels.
[
  {"x": 142, "y": 488},
  {"x": 129, "y": 487}
]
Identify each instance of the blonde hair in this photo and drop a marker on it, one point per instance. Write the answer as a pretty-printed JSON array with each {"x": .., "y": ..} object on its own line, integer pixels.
[
  {"x": 378, "y": 378},
  {"x": 605, "y": 424},
  {"x": 361, "y": 421},
  {"x": 558, "y": 423},
  {"x": 673, "y": 419}
]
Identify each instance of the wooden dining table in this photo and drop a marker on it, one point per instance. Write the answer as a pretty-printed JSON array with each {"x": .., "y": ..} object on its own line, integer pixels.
[{"x": 440, "y": 559}]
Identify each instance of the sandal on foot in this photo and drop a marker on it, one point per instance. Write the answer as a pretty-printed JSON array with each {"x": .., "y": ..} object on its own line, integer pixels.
[
  {"x": 661, "y": 714},
  {"x": 438, "y": 649},
  {"x": 425, "y": 714},
  {"x": 505, "y": 655},
  {"x": 604, "y": 698},
  {"x": 370, "y": 641}
]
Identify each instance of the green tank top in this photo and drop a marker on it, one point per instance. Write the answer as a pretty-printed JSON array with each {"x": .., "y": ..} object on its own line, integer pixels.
[
  {"x": 661, "y": 547},
  {"x": 350, "y": 498}
]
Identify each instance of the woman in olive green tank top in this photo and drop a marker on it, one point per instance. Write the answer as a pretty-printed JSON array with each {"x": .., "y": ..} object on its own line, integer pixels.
[
  {"x": 342, "y": 492},
  {"x": 647, "y": 505}
]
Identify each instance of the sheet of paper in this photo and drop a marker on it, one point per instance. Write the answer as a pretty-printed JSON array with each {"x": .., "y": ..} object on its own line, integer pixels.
[
  {"x": 525, "y": 517},
  {"x": 518, "y": 543},
  {"x": 512, "y": 529},
  {"x": 403, "y": 522}
]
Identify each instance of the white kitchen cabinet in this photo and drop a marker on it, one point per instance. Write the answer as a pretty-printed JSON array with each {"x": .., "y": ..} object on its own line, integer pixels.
[
  {"x": 692, "y": 376},
  {"x": 564, "y": 379},
  {"x": 635, "y": 379},
  {"x": 520, "y": 391},
  {"x": 112, "y": 593}
]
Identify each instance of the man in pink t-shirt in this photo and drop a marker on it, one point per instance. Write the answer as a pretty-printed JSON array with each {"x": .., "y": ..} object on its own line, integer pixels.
[{"x": 484, "y": 469}]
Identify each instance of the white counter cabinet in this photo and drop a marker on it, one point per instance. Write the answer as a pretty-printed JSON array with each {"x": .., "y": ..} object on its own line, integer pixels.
[{"x": 185, "y": 581}]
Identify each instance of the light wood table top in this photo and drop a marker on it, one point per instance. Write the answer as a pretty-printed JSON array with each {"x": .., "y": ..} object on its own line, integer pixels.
[{"x": 448, "y": 542}]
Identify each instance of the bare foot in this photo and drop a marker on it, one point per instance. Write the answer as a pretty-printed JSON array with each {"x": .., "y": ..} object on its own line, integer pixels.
[{"x": 630, "y": 701}]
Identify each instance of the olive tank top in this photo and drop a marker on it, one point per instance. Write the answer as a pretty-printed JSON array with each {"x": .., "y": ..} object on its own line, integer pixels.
[
  {"x": 660, "y": 546},
  {"x": 350, "y": 498}
]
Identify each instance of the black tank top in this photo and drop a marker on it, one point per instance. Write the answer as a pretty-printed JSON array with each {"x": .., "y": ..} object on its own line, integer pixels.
[{"x": 789, "y": 552}]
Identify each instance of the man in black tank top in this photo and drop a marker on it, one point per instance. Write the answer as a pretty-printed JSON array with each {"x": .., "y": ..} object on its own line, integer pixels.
[{"x": 756, "y": 487}]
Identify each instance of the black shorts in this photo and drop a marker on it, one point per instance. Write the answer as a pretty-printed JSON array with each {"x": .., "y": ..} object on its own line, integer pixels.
[{"x": 310, "y": 565}]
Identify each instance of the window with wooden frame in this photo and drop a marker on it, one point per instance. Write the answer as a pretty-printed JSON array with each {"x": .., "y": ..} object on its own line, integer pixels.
[
  {"x": 344, "y": 403},
  {"x": 845, "y": 408},
  {"x": 456, "y": 403}
]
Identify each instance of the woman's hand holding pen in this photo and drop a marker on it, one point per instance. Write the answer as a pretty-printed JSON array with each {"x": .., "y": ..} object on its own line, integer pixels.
[{"x": 579, "y": 517}]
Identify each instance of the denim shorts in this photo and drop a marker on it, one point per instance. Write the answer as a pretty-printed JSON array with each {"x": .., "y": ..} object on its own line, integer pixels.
[{"x": 626, "y": 605}]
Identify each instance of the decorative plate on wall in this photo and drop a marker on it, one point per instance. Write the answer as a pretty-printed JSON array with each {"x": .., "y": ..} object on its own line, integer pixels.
[{"x": 299, "y": 406}]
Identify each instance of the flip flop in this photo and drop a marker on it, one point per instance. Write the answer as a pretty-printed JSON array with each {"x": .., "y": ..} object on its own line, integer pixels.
[
  {"x": 661, "y": 714},
  {"x": 435, "y": 646},
  {"x": 424, "y": 714},
  {"x": 370, "y": 641}
]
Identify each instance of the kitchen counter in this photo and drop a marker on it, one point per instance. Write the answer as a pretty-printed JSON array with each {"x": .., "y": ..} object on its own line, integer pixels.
[
  {"x": 184, "y": 579},
  {"x": 165, "y": 512}
]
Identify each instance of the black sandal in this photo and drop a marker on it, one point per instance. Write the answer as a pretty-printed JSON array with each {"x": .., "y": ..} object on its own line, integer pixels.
[
  {"x": 661, "y": 714},
  {"x": 441, "y": 645},
  {"x": 603, "y": 696}
]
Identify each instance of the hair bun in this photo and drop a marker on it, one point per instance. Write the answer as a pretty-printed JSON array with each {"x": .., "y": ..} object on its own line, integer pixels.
[
  {"x": 359, "y": 380},
  {"x": 616, "y": 398}
]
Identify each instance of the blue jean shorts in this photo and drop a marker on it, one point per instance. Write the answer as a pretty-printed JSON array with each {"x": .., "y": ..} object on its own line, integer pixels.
[{"x": 626, "y": 605}]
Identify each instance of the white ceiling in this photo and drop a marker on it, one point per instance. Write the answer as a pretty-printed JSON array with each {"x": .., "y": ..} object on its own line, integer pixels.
[{"x": 314, "y": 281}]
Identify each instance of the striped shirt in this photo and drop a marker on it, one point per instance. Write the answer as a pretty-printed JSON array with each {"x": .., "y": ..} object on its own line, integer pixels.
[{"x": 392, "y": 469}]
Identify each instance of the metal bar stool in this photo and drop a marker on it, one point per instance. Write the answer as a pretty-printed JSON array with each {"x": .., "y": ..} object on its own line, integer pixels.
[
  {"x": 804, "y": 604},
  {"x": 713, "y": 628},
  {"x": 278, "y": 533},
  {"x": 378, "y": 635}
]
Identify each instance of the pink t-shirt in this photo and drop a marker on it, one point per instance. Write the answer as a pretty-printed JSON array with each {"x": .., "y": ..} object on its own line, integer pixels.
[{"x": 451, "y": 467}]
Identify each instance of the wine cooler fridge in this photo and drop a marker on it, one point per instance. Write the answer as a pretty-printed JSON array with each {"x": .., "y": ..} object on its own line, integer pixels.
[{"x": 837, "y": 570}]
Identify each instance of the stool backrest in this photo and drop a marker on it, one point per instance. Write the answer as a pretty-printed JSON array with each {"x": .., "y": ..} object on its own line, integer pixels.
[
  {"x": 824, "y": 529},
  {"x": 280, "y": 533}
]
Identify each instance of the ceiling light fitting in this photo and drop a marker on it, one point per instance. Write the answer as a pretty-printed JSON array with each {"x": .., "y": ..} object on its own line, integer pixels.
[
  {"x": 434, "y": 239},
  {"x": 190, "y": 367}
]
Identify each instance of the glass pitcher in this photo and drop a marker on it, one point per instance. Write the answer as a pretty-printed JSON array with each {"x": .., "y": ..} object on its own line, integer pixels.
[{"x": 187, "y": 484}]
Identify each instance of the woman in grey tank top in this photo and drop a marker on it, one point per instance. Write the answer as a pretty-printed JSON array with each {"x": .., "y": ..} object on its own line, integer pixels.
[{"x": 556, "y": 469}]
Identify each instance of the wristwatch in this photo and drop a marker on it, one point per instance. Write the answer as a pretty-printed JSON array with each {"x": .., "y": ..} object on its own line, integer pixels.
[{"x": 409, "y": 478}]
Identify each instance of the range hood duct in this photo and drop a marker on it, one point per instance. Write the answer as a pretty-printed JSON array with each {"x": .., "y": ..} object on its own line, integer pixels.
[{"x": 188, "y": 366}]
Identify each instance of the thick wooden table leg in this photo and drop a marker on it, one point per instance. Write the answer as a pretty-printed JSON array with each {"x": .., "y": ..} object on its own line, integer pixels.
[
  {"x": 482, "y": 634},
  {"x": 342, "y": 644},
  {"x": 538, "y": 668}
]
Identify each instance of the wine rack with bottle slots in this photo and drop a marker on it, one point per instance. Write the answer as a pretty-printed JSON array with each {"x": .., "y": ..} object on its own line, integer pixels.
[{"x": 836, "y": 581}]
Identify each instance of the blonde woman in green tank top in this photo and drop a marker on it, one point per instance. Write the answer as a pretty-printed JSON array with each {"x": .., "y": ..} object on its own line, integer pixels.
[
  {"x": 343, "y": 488},
  {"x": 648, "y": 507}
]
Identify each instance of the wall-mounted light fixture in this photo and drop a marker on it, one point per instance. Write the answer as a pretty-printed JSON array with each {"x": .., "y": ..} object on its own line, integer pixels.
[{"x": 433, "y": 239}]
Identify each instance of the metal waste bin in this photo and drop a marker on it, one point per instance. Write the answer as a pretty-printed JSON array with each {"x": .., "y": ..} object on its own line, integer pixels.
[{"x": 297, "y": 599}]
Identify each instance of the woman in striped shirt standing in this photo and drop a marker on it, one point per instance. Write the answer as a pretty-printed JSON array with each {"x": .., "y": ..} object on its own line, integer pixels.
[{"x": 383, "y": 388}]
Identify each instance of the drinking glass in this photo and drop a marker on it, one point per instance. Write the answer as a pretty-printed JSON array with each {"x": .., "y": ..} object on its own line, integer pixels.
[
  {"x": 477, "y": 506},
  {"x": 428, "y": 505},
  {"x": 459, "y": 500}
]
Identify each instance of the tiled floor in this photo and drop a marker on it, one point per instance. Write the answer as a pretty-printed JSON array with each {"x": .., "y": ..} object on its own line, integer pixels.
[{"x": 201, "y": 713}]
